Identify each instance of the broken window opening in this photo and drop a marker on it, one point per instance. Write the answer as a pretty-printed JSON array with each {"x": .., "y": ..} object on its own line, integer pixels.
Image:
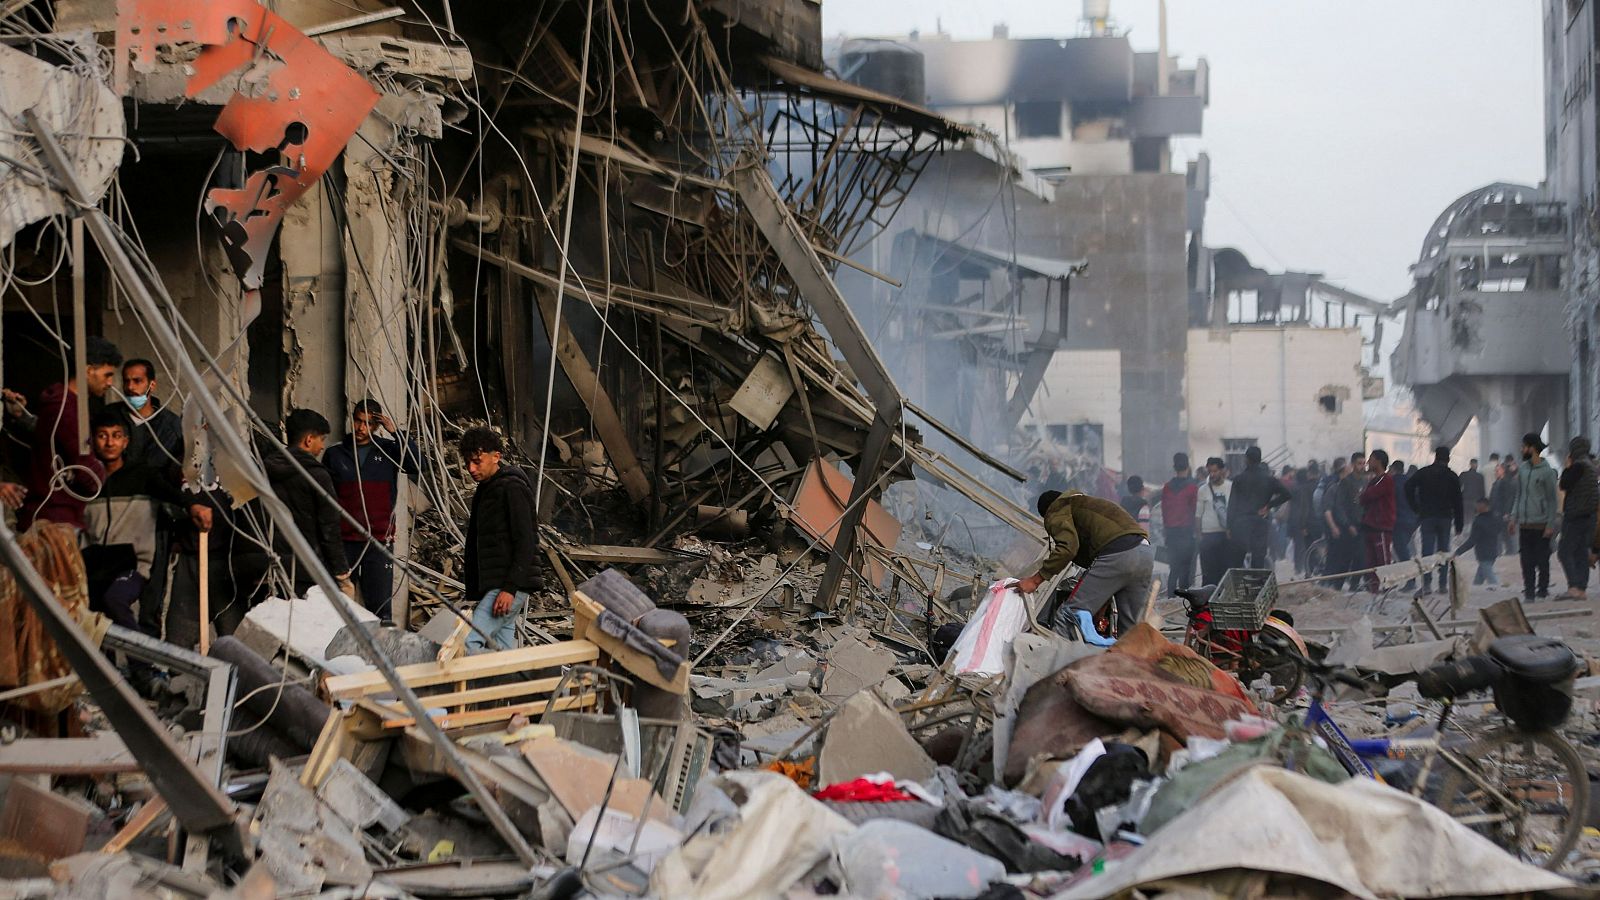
[{"x": 1038, "y": 118}]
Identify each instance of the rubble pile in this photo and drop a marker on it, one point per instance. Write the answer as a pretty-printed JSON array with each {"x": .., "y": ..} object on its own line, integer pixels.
[{"x": 817, "y": 754}]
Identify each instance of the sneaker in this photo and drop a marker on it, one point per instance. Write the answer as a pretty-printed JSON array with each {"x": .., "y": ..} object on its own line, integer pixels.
[
  {"x": 1527, "y": 598},
  {"x": 1544, "y": 593}
]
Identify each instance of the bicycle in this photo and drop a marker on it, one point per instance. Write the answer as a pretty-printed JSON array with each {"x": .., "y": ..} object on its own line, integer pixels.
[
  {"x": 1241, "y": 651},
  {"x": 1522, "y": 786}
]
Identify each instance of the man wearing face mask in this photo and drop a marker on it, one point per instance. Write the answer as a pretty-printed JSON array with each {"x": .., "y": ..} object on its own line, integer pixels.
[{"x": 155, "y": 432}]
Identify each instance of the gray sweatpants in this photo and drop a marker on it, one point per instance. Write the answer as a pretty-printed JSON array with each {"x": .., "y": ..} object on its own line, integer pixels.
[{"x": 1125, "y": 575}]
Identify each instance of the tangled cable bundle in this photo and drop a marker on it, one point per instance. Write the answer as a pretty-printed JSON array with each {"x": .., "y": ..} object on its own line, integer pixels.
[{"x": 28, "y": 655}]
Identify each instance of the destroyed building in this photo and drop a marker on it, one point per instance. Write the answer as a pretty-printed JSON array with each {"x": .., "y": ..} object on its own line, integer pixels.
[
  {"x": 1091, "y": 121},
  {"x": 1572, "y": 179},
  {"x": 1280, "y": 361},
  {"x": 617, "y": 233},
  {"x": 677, "y": 241},
  {"x": 1484, "y": 335}
]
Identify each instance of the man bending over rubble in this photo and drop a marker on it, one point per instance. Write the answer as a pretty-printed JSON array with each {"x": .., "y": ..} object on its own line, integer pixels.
[
  {"x": 502, "y": 542},
  {"x": 1101, "y": 537}
]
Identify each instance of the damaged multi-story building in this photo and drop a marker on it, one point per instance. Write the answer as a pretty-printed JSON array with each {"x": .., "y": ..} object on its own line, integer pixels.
[
  {"x": 1484, "y": 336},
  {"x": 1087, "y": 124},
  {"x": 1572, "y": 179},
  {"x": 1057, "y": 286},
  {"x": 610, "y": 230}
]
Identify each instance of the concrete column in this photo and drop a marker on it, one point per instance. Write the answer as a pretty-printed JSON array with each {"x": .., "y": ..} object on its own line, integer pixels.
[
  {"x": 313, "y": 308},
  {"x": 376, "y": 322}
]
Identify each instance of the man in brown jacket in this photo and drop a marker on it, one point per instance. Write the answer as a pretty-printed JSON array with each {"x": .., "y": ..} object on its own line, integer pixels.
[{"x": 1100, "y": 537}]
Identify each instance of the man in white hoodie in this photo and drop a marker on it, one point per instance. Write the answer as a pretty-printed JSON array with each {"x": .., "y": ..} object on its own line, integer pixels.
[{"x": 1217, "y": 550}]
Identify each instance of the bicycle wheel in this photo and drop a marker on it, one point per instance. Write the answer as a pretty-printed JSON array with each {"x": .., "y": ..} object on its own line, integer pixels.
[
  {"x": 1526, "y": 791},
  {"x": 1281, "y": 669}
]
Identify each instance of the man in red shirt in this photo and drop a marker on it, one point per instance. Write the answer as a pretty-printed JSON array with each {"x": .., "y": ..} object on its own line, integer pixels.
[
  {"x": 1378, "y": 516},
  {"x": 1178, "y": 498},
  {"x": 61, "y": 479}
]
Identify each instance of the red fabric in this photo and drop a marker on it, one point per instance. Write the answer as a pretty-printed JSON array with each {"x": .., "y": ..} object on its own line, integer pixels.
[
  {"x": 56, "y": 434},
  {"x": 1178, "y": 503},
  {"x": 862, "y": 791},
  {"x": 1377, "y": 503},
  {"x": 370, "y": 504}
]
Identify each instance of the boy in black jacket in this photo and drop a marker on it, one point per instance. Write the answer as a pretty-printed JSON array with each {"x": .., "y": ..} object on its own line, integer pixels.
[
  {"x": 1484, "y": 540},
  {"x": 502, "y": 543}
]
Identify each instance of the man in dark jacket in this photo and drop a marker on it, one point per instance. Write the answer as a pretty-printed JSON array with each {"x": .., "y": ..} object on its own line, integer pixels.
[
  {"x": 311, "y": 502},
  {"x": 1581, "y": 501},
  {"x": 1303, "y": 513},
  {"x": 500, "y": 570},
  {"x": 1503, "y": 502},
  {"x": 155, "y": 432},
  {"x": 1473, "y": 489},
  {"x": 1178, "y": 498},
  {"x": 1378, "y": 516},
  {"x": 1405, "y": 518},
  {"x": 366, "y": 472},
  {"x": 1100, "y": 537},
  {"x": 1256, "y": 493},
  {"x": 1347, "y": 547},
  {"x": 1435, "y": 493}
]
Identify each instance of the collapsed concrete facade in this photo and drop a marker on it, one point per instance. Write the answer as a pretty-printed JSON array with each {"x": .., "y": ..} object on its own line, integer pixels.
[{"x": 1485, "y": 338}]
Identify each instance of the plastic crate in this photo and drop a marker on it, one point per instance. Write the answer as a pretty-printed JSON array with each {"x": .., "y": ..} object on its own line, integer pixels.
[{"x": 1243, "y": 599}]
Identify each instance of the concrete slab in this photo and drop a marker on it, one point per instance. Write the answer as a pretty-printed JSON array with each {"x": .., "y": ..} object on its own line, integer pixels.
[{"x": 867, "y": 737}]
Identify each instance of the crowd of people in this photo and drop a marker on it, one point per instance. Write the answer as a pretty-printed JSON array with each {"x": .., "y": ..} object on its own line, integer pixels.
[
  {"x": 144, "y": 524},
  {"x": 1346, "y": 517}
]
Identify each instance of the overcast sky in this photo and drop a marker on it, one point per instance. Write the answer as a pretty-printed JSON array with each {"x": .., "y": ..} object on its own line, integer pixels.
[{"x": 1338, "y": 129}]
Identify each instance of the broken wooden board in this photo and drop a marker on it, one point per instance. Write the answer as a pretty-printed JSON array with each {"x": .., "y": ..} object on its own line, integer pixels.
[
  {"x": 466, "y": 668},
  {"x": 103, "y": 754},
  {"x": 577, "y": 776}
]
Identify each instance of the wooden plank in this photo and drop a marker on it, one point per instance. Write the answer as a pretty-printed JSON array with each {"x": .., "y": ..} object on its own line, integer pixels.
[
  {"x": 105, "y": 754},
  {"x": 135, "y": 825},
  {"x": 498, "y": 714},
  {"x": 466, "y": 668},
  {"x": 487, "y": 694}
]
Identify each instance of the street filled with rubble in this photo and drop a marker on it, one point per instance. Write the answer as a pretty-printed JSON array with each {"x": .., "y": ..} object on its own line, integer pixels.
[{"x": 646, "y": 449}]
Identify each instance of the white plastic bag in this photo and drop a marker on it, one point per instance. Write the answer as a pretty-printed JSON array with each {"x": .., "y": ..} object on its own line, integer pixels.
[{"x": 981, "y": 648}]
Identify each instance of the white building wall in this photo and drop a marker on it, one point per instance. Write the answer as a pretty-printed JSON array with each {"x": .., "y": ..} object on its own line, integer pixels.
[
  {"x": 1268, "y": 384},
  {"x": 1083, "y": 387}
]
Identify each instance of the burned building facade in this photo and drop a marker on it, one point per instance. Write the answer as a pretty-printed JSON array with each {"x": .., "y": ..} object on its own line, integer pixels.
[{"x": 1084, "y": 175}]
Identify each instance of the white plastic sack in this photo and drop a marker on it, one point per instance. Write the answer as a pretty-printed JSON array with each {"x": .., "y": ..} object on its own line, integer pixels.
[
  {"x": 981, "y": 648},
  {"x": 890, "y": 858}
]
